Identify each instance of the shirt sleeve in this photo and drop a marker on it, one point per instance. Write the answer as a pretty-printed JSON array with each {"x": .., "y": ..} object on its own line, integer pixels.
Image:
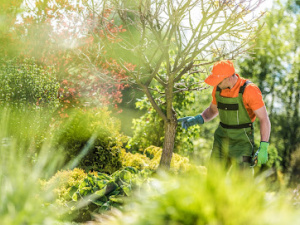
[
  {"x": 253, "y": 97},
  {"x": 213, "y": 94}
]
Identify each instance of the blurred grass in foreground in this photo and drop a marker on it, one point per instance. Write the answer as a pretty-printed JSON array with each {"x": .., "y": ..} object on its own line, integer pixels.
[
  {"x": 22, "y": 201},
  {"x": 214, "y": 199}
]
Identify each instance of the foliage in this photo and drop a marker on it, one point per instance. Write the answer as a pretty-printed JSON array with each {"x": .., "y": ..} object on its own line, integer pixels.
[
  {"x": 22, "y": 201},
  {"x": 27, "y": 84},
  {"x": 149, "y": 128},
  {"x": 94, "y": 136},
  {"x": 61, "y": 34},
  {"x": 87, "y": 193},
  {"x": 274, "y": 65},
  {"x": 64, "y": 32},
  {"x": 273, "y": 158},
  {"x": 8, "y": 13},
  {"x": 295, "y": 170},
  {"x": 215, "y": 199},
  {"x": 137, "y": 160},
  {"x": 151, "y": 157},
  {"x": 31, "y": 128}
]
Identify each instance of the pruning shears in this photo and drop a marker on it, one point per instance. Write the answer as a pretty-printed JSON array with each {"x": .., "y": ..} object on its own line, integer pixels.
[{"x": 254, "y": 160}]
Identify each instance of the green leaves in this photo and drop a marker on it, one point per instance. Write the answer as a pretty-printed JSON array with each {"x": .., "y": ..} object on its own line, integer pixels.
[
  {"x": 101, "y": 191},
  {"x": 103, "y": 153},
  {"x": 27, "y": 84}
]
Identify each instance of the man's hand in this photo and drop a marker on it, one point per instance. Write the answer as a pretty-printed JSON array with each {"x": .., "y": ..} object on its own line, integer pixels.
[
  {"x": 262, "y": 153},
  {"x": 188, "y": 121}
]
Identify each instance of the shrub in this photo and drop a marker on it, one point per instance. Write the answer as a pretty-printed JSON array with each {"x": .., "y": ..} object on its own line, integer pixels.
[
  {"x": 27, "y": 84},
  {"x": 63, "y": 182},
  {"x": 137, "y": 160},
  {"x": 93, "y": 192},
  {"x": 28, "y": 95},
  {"x": 151, "y": 158},
  {"x": 93, "y": 135}
]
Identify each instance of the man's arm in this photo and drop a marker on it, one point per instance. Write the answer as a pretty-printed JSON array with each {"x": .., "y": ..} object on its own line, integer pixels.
[
  {"x": 265, "y": 125},
  {"x": 210, "y": 113}
]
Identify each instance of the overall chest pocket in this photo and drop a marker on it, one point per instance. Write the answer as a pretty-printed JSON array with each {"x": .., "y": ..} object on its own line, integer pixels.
[{"x": 228, "y": 113}]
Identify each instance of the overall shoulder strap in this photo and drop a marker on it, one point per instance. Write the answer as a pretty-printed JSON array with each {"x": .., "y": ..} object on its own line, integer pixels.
[{"x": 242, "y": 88}]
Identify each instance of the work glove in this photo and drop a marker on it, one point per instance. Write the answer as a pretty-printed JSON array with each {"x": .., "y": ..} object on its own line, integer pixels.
[
  {"x": 261, "y": 155},
  {"x": 188, "y": 121}
]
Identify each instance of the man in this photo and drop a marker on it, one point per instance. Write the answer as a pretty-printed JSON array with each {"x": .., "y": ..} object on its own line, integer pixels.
[{"x": 238, "y": 102}]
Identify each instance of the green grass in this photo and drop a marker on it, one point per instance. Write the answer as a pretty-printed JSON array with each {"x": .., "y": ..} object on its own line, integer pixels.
[{"x": 22, "y": 201}]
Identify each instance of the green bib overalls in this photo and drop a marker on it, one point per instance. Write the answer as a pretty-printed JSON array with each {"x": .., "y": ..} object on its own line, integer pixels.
[{"x": 233, "y": 139}]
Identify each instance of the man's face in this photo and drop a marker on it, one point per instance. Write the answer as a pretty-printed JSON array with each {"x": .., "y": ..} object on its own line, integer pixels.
[{"x": 224, "y": 83}]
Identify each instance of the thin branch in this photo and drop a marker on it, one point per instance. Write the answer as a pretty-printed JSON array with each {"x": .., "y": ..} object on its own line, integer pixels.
[{"x": 153, "y": 103}]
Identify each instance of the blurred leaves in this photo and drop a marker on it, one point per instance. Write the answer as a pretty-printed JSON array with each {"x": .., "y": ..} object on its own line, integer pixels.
[
  {"x": 22, "y": 201},
  {"x": 93, "y": 135},
  {"x": 216, "y": 199}
]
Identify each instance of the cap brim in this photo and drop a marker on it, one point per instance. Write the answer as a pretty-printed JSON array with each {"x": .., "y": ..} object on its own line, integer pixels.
[{"x": 213, "y": 80}]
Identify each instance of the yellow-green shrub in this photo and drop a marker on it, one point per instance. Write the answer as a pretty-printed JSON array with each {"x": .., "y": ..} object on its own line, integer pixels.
[
  {"x": 62, "y": 183},
  {"x": 151, "y": 158},
  {"x": 136, "y": 160}
]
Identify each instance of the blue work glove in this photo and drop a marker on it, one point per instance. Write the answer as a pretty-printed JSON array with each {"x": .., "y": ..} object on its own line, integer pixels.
[
  {"x": 261, "y": 155},
  {"x": 188, "y": 121}
]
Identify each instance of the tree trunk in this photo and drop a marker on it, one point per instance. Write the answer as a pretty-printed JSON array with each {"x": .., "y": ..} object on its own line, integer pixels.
[{"x": 170, "y": 132}]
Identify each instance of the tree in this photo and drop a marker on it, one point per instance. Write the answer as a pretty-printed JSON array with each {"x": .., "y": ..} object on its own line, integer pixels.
[{"x": 199, "y": 31}]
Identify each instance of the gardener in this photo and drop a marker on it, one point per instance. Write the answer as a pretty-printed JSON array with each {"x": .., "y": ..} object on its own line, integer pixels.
[{"x": 238, "y": 102}]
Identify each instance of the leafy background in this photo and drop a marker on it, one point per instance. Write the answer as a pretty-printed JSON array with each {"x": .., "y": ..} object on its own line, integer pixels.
[{"x": 69, "y": 155}]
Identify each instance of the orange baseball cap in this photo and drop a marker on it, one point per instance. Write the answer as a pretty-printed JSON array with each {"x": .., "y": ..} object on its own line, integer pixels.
[{"x": 220, "y": 71}]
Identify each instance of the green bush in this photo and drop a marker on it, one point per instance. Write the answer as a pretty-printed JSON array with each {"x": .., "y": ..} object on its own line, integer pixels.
[
  {"x": 28, "y": 96},
  {"x": 87, "y": 193},
  {"x": 27, "y": 84},
  {"x": 94, "y": 136}
]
